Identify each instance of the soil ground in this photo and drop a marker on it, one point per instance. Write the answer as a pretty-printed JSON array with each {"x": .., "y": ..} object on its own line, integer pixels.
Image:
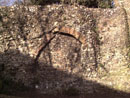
[
  {"x": 85, "y": 96},
  {"x": 96, "y": 95}
]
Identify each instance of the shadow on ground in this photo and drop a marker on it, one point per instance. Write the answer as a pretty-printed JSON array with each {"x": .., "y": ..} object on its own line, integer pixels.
[{"x": 36, "y": 74}]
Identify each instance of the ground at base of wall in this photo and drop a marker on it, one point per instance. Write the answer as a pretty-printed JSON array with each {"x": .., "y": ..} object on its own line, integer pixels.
[{"x": 107, "y": 95}]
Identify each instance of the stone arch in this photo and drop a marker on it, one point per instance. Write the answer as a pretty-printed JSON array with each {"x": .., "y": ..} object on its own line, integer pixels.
[{"x": 71, "y": 32}]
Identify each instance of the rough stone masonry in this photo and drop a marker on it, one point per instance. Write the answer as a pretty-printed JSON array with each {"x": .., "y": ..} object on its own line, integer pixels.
[{"x": 52, "y": 61}]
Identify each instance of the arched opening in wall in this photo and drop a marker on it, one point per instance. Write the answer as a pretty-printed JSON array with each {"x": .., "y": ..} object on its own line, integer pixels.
[
  {"x": 82, "y": 39},
  {"x": 65, "y": 51},
  {"x": 65, "y": 41}
]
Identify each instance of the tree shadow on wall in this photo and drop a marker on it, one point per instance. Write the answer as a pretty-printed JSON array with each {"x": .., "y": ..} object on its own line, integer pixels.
[{"x": 19, "y": 79}]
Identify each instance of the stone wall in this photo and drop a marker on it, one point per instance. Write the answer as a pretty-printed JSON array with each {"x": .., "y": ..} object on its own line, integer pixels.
[{"x": 53, "y": 61}]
